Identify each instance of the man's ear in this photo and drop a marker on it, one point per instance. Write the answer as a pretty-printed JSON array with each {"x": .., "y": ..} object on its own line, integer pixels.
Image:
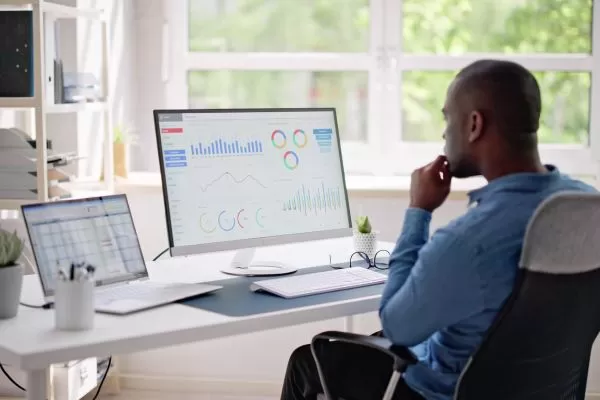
[{"x": 475, "y": 127}]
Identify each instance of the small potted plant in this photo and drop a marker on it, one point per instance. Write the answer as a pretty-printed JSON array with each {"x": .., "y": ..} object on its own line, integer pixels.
[
  {"x": 123, "y": 138},
  {"x": 365, "y": 240},
  {"x": 11, "y": 273}
]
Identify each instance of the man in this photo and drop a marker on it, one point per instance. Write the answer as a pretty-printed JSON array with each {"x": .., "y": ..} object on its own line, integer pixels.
[{"x": 444, "y": 292}]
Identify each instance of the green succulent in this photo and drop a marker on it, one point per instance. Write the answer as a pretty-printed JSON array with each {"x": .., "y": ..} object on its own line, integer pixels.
[
  {"x": 11, "y": 247},
  {"x": 363, "y": 225}
]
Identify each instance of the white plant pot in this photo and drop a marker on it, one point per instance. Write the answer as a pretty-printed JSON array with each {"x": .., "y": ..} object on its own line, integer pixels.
[
  {"x": 366, "y": 243},
  {"x": 11, "y": 283}
]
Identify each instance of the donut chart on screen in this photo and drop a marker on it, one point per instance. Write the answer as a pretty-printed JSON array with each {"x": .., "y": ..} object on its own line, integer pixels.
[
  {"x": 279, "y": 139},
  {"x": 241, "y": 218},
  {"x": 226, "y": 223},
  {"x": 205, "y": 226},
  {"x": 300, "y": 138},
  {"x": 291, "y": 160}
]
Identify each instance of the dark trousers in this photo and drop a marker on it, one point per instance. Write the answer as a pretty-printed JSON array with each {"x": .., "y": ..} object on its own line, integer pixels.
[{"x": 352, "y": 372}]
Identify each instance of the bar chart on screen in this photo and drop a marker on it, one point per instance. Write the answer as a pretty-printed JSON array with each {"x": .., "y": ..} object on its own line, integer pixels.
[
  {"x": 314, "y": 200},
  {"x": 226, "y": 148},
  {"x": 324, "y": 139}
]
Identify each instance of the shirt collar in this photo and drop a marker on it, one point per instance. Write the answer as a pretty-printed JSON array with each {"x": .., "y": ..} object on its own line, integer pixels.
[{"x": 520, "y": 182}]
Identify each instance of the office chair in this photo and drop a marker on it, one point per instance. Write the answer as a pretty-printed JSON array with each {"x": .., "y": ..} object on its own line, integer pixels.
[{"x": 538, "y": 348}]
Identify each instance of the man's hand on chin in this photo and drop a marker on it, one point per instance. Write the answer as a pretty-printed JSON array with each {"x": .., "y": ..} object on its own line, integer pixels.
[{"x": 430, "y": 185}]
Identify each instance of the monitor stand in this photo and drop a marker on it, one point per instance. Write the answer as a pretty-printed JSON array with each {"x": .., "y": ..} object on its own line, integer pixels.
[{"x": 243, "y": 265}]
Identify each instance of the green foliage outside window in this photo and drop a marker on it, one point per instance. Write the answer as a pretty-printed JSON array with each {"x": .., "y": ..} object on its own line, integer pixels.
[{"x": 432, "y": 27}]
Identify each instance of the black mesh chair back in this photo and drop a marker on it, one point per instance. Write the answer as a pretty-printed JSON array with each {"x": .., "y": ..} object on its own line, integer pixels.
[{"x": 539, "y": 346}]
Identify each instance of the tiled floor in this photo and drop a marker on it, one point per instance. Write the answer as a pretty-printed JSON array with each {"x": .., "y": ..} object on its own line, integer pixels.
[{"x": 177, "y": 396}]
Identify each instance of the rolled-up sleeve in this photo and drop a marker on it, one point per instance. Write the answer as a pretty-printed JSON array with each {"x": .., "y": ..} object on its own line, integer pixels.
[{"x": 432, "y": 283}]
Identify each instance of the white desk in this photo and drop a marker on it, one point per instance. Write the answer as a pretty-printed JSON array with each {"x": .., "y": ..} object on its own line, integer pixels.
[{"x": 31, "y": 343}]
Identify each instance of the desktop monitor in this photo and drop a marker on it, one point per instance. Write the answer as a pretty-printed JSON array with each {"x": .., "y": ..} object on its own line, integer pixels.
[{"x": 238, "y": 179}]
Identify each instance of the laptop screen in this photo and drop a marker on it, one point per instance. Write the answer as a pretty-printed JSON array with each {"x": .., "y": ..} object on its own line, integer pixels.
[{"x": 97, "y": 231}]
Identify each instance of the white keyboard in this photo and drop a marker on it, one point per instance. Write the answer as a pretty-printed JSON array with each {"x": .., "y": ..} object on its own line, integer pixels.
[
  {"x": 138, "y": 296},
  {"x": 320, "y": 282}
]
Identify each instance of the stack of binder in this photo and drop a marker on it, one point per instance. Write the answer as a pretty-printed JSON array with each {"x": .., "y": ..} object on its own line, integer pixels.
[{"x": 18, "y": 168}]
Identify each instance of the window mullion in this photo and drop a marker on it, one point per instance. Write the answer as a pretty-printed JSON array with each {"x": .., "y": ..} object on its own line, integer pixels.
[
  {"x": 594, "y": 135},
  {"x": 393, "y": 77},
  {"x": 535, "y": 62},
  {"x": 278, "y": 61},
  {"x": 376, "y": 100},
  {"x": 174, "y": 50}
]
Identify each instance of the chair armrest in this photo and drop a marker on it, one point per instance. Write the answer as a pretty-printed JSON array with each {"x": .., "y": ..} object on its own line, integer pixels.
[{"x": 401, "y": 355}]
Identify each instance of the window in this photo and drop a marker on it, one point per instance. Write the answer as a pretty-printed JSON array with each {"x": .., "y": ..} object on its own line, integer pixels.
[
  {"x": 565, "y": 106},
  {"x": 279, "y": 25},
  {"x": 385, "y": 65},
  {"x": 486, "y": 26},
  {"x": 347, "y": 91}
]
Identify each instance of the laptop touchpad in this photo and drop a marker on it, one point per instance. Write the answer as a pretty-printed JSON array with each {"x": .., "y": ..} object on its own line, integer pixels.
[{"x": 123, "y": 305}]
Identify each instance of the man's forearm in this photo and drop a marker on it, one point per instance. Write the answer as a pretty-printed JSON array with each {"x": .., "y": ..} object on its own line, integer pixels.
[{"x": 415, "y": 233}]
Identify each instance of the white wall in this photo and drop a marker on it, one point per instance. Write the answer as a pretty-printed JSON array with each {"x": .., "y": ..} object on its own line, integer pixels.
[
  {"x": 160, "y": 79},
  {"x": 259, "y": 357},
  {"x": 151, "y": 90}
]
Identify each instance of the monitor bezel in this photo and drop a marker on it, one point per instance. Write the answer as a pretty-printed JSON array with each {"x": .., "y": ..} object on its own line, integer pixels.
[
  {"x": 200, "y": 248},
  {"x": 49, "y": 294}
]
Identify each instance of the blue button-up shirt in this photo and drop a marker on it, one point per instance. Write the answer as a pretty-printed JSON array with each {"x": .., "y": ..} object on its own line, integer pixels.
[{"x": 444, "y": 292}]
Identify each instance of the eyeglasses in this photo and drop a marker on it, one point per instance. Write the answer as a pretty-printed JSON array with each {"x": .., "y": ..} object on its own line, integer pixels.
[{"x": 379, "y": 261}]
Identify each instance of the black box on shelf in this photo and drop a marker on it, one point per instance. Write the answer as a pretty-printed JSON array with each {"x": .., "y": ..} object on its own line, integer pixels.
[{"x": 16, "y": 53}]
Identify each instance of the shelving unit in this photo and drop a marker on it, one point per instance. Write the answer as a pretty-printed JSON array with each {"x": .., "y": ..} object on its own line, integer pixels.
[
  {"x": 45, "y": 12},
  {"x": 111, "y": 386}
]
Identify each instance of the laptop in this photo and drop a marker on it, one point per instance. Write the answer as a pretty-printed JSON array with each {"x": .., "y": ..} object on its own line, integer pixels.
[{"x": 99, "y": 231}]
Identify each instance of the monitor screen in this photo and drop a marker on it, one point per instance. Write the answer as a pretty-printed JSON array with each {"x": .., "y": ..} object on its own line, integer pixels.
[
  {"x": 98, "y": 231},
  {"x": 233, "y": 178}
]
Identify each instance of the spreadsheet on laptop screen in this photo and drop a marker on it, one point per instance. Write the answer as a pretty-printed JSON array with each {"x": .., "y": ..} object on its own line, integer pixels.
[{"x": 97, "y": 231}]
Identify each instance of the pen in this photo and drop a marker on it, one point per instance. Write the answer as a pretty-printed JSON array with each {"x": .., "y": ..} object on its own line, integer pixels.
[
  {"x": 62, "y": 275},
  {"x": 90, "y": 270},
  {"x": 80, "y": 274},
  {"x": 72, "y": 272}
]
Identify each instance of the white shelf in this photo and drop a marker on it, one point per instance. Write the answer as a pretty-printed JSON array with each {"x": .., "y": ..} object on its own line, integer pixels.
[
  {"x": 78, "y": 189},
  {"x": 14, "y": 204},
  {"x": 86, "y": 187},
  {"x": 61, "y": 11},
  {"x": 75, "y": 107},
  {"x": 11, "y": 4},
  {"x": 57, "y": 10},
  {"x": 29, "y": 102},
  {"x": 17, "y": 102}
]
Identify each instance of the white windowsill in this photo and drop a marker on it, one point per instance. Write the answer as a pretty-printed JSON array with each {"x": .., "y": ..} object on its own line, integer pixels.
[
  {"x": 400, "y": 185},
  {"x": 362, "y": 185},
  {"x": 359, "y": 185}
]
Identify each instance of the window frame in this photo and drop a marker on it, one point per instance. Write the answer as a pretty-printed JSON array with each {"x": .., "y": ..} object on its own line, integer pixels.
[{"x": 384, "y": 153}]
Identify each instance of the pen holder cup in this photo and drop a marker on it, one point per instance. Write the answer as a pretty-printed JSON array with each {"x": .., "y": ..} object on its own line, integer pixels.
[{"x": 74, "y": 305}]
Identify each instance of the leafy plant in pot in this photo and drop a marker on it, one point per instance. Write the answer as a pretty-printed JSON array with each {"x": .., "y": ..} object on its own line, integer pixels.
[
  {"x": 123, "y": 138},
  {"x": 365, "y": 239},
  {"x": 11, "y": 273}
]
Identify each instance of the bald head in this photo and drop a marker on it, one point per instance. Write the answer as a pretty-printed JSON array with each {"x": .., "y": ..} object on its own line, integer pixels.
[
  {"x": 492, "y": 112},
  {"x": 508, "y": 97}
]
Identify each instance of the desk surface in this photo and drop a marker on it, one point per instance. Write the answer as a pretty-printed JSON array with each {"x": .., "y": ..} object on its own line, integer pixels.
[{"x": 30, "y": 341}]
